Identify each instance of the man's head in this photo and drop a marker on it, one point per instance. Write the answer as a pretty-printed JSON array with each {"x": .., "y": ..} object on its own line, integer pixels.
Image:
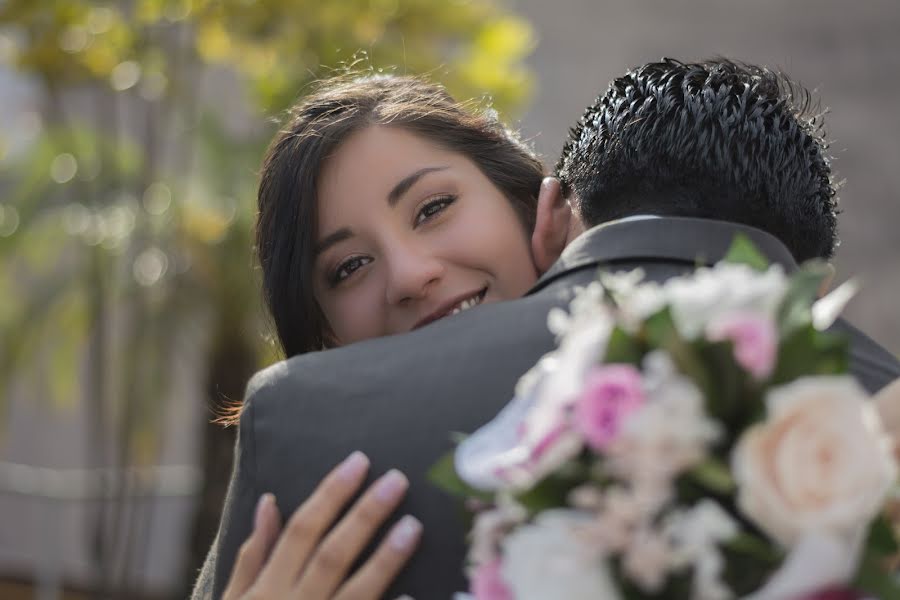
[{"x": 717, "y": 139}]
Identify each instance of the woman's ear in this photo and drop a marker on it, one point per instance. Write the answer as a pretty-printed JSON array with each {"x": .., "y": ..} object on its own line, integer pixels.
[{"x": 551, "y": 225}]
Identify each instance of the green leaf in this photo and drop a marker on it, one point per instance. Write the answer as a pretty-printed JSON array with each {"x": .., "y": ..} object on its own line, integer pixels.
[
  {"x": 874, "y": 579},
  {"x": 881, "y": 537},
  {"x": 874, "y": 576},
  {"x": 659, "y": 329},
  {"x": 551, "y": 492},
  {"x": 753, "y": 547},
  {"x": 623, "y": 348},
  {"x": 443, "y": 474},
  {"x": 749, "y": 562},
  {"x": 457, "y": 437},
  {"x": 807, "y": 352},
  {"x": 743, "y": 251},
  {"x": 714, "y": 475},
  {"x": 803, "y": 288}
]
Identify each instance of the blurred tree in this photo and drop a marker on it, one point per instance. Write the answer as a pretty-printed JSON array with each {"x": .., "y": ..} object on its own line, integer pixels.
[{"x": 128, "y": 199}]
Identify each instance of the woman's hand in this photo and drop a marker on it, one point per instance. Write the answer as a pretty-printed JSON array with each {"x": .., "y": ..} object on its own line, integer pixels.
[{"x": 309, "y": 561}]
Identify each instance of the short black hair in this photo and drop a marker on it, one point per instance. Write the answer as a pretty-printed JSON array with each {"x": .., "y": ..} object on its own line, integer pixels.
[{"x": 716, "y": 139}]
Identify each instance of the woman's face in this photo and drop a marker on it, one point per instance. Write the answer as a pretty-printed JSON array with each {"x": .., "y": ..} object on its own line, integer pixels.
[{"x": 410, "y": 233}]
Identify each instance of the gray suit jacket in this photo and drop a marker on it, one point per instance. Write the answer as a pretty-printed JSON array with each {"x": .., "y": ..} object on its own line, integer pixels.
[{"x": 398, "y": 398}]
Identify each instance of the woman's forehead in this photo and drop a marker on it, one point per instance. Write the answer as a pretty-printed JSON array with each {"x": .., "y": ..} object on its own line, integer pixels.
[{"x": 372, "y": 162}]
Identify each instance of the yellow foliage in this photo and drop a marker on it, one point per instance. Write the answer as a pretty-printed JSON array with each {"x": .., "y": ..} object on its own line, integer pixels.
[
  {"x": 507, "y": 39},
  {"x": 204, "y": 224},
  {"x": 149, "y": 11},
  {"x": 214, "y": 41}
]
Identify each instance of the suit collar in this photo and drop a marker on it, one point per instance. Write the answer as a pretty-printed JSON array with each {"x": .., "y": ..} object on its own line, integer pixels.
[{"x": 668, "y": 239}]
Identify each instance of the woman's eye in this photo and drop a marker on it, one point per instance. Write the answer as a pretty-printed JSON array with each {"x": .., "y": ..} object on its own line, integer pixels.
[
  {"x": 348, "y": 267},
  {"x": 433, "y": 207}
]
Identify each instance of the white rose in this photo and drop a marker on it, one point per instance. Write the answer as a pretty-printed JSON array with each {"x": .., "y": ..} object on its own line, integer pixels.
[
  {"x": 819, "y": 464},
  {"x": 707, "y": 294},
  {"x": 549, "y": 559}
]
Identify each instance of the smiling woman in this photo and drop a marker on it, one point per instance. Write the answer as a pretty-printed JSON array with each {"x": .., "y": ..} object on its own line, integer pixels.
[
  {"x": 385, "y": 205},
  {"x": 411, "y": 232}
]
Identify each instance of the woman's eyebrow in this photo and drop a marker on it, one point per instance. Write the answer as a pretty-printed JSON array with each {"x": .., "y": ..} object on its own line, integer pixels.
[
  {"x": 331, "y": 239},
  {"x": 407, "y": 182}
]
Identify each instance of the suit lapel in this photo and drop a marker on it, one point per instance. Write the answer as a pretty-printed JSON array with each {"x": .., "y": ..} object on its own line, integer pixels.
[{"x": 668, "y": 239}]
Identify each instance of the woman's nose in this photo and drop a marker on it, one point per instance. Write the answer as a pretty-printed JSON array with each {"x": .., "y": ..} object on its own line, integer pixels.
[{"x": 412, "y": 273}]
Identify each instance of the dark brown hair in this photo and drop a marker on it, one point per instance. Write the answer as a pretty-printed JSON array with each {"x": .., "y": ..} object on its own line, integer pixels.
[{"x": 286, "y": 230}]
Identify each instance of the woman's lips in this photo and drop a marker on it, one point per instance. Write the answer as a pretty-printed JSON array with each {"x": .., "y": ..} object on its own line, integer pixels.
[{"x": 455, "y": 307}]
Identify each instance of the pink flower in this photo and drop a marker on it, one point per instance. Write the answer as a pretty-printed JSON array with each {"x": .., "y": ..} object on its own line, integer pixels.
[
  {"x": 754, "y": 337},
  {"x": 611, "y": 393},
  {"x": 487, "y": 584}
]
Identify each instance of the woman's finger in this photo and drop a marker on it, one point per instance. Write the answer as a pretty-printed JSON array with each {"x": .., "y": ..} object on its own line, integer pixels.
[
  {"x": 253, "y": 552},
  {"x": 309, "y": 523},
  {"x": 337, "y": 552},
  {"x": 373, "y": 578}
]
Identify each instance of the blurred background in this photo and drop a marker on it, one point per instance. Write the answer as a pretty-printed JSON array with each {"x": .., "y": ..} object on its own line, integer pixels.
[{"x": 130, "y": 136}]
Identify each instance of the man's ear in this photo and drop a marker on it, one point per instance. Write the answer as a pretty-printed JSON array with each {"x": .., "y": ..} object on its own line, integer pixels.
[{"x": 551, "y": 225}]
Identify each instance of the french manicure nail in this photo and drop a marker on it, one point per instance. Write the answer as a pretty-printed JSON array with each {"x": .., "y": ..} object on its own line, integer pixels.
[
  {"x": 261, "y": 507},
  {"x": 391, "y": 485},
  {"x": 405, "y": 533},
  {"x": 353, "y": 466}
]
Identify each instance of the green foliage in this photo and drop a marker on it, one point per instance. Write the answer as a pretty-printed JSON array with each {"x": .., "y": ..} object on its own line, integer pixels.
[
  {"x": 794, "y": 312},
  {"x": 806, "y": 352},
  {"x": 743, "y": 251},
  {"x": 138, "y": 192},
  {"x": 279, "y": 46},
  {"x": 624, "y": 348},
  {"x": 443, "y": 475},
  {"x": 553, "y": 490},
  {"x": 713, "y": 475},
  {"x": 874, "y": 577},
  {"x": 749, "y": 560}
]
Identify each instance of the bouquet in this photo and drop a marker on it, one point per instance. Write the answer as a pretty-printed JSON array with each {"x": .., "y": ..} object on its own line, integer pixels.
[{"x": 697, "y": 439}]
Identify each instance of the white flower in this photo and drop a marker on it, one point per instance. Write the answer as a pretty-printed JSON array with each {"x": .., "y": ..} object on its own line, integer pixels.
[
  {"x": 548, "y": 559},
  {"x": 816, "y": 562},
  {"x": 706, "y": 294},
  {"x": 617, "y": 514},
  {"x": 490, "y": 526},
  {"x": 696, "y": 534},
  {"x": 819, "y": 464},
  {"x": 531, "y": 436},
  {"x": 635, "y": 299},
  {"x": 648, "y": 559},
  {"x": 500, "y": 455},
  {"x": 698, "y": 297},
  {"x": 668, "y": 434}
]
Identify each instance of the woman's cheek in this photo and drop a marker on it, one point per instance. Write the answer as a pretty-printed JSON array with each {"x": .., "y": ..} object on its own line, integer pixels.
[{"x": 357, "y": 314}]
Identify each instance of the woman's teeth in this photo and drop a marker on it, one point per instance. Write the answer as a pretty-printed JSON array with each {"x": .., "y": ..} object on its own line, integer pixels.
[{"x": 467, "y": 304}]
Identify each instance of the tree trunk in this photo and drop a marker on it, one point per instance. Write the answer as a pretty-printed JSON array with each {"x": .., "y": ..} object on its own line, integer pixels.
[{"x": 232, "y": 363}]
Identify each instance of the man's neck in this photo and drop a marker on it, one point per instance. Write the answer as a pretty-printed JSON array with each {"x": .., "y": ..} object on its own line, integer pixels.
[{"x": 577, "y": 226}]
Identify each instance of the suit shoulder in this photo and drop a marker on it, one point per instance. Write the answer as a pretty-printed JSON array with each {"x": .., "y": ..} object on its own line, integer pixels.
[
  {"x": 267, "y": 378},
  {"x": 870, "y": 362}
]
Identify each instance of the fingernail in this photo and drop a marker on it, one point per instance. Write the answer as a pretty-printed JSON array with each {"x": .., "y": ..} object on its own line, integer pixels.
[
  {"x": 405, "y": 533},
  {"x": 261, "y": 505},
  {"x": 353, "y": 466},
  {"x": 391, "y": 485}
]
